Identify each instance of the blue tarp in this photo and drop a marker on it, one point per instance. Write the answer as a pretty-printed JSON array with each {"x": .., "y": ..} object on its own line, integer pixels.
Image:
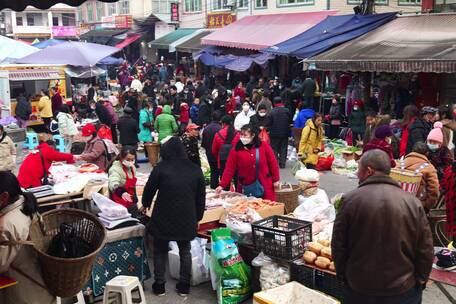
[
  {"x": 214, "y": 56},
  {"x": 332, "y": 31},
  {"x": 50, "y": 42}
]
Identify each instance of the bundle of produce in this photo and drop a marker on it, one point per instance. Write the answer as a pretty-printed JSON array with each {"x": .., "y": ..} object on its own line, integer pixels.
[{"x": 319, "y": 254}]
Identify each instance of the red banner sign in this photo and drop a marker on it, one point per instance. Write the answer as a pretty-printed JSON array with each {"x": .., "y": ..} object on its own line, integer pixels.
[
  {"x": 174, "y": 12},
  {"x": 216, "y": 20}
]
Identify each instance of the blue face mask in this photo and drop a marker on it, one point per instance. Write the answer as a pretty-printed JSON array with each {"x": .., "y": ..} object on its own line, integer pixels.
[{"x": 433, "y": 147}]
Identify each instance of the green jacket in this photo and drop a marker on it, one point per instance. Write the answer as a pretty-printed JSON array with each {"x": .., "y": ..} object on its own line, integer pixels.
[
  {"x": 165, "y": 124},
  {"x": 145, "y": 116},
  {"x": 357, "y": 122},
  {"x": 117, "y": 177}
]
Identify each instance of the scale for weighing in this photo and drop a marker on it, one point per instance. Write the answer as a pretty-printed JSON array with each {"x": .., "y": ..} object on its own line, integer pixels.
[{"x": 42, "y": 191}]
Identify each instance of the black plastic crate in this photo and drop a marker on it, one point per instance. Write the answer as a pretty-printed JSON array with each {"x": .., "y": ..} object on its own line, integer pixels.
[
  {"x": 302, "y": 274},
  {"x": 281, "y": 237},
  {"x": 329, "y": 284}
]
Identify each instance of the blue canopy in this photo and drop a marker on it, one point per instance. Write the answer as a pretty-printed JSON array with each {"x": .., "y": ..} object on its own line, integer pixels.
[
  {"x": 50, "y": 42},
  {"x": 332, "y": 31},
  {"x": 110, "y": 60}
]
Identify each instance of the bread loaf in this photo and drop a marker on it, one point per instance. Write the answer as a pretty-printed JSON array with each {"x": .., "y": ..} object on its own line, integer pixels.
[
  {"x": 322, "y": 262},
  {"x": 309, "y": 257},
  {"x": 332, "y": 267},
  {"x": 326, "y": 252},
  {"x": 325, "y": 243},
  {"x": 315, "y": 247}
]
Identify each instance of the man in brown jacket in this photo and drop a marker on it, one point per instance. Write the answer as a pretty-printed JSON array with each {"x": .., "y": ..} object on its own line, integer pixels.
[
  {"x": 417, "y": 161},
  {"x": 382, "y": 243}
]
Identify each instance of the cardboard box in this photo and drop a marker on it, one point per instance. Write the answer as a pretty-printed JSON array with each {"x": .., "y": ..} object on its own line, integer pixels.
[
  {"x": 278, "y": 209},
  {"x": 212, "y": 215}
]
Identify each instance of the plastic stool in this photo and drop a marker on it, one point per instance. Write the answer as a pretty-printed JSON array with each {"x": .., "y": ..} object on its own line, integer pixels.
[
  {"x": 31, "y": 141},
  {"x": 80, "y": 299},
  {"x": 124, "y": 285},
  {"x": 59, "y": 143}
]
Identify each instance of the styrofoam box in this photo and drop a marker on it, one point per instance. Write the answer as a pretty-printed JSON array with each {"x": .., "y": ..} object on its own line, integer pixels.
[{"x": 199, "y": 275}]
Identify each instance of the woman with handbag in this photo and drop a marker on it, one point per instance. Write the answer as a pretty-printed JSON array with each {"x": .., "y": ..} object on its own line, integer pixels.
[
  {"x": 256, "y": 165},
  {"x": 311, "y": 140}
]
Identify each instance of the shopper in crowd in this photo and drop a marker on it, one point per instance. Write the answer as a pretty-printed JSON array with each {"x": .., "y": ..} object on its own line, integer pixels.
[
  {"x": 190, "y": 141},
  {"x": 204, "y": 112},
  {"x": 35, "y": 167},
  {"x": 253, "y": 161},
  {"x": 136, "y": 85},
  {"x": 279, "y": 130},
  {"x": 371, "y": 122},
  {"x": 357, "y": 122},
  {"x": 57, "y": 101},
  {"x": 309, "y": 87},
  {"x": 265, "y": 101},
  {"x": 194, "y": 110},
  {"x": 23, "y": 110},
  {"x": 243, "y": 118},
  {"x": 114, "y": 119},
  {"x": 132, "y": 102},
  {"x": 45, "y": 107},
  {"x": 420, "y": 128},
  {"x": 149, "y": 88},
  {"x": 402, "y": 264},
  {"x": 184, "y": 117},
  {"x": 224, "y": 141},
  {"x": 335, "y": 118},
  {"x": 128, "y": 130},
  {"x": 240, "y": 91},
  {"x": 418, "y": 162},
  {"x": 102, "y": 113},
  {"x": 122, "y": 180},
  {"x": 96, "y": 151},
  {"x": 7, "y": 152},
  {"x": 17, "y": 210},
  {"x": 165, "y": 124},
  {"x": 439, "y": 155},
  {"x": 311, "y": 141},
  {"x": 200, "y": 89},
  {"x": 67, "y": 127},
  {"x": 251, "y": 85},
  {"x": 410, "y": 115},
  {"x": 146, "y": 122},
  {"x": 207, "y": 141},
  {"x": 261, "y": 120},
  {"x": 382, "y": 141},
  {"x": 449, "y": 127},
  {"x": 305, "y": 113},
  {"x": 178, "y": 208}
]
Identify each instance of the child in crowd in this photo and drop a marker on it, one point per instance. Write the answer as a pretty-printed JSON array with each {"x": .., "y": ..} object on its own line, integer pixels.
[
  {"x": 194, "y": 109},
  {"x": 184, "y": 116},
  {"x": 382, "y": 141}
]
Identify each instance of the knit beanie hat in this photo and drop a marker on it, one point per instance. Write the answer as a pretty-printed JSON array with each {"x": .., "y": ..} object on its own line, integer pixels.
[
  {"x": 436, "y": 134},
  {"x": 383, "y": 131}
]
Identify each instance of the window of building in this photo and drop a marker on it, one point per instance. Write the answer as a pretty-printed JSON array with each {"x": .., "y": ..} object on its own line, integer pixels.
[
  {"x": 415, "y": 2},
  {"x": 219, "y": 5},
  {"x": 35, "y": 19},
  {"x": 55, "y": 21},
  {"x": 295, "y": 2},
  {"x": 90, "y": 17},
  {"x": 68, "y": 19},
  {"x": 79, "y": 11},
  {"x": 191, "y": 6},
  {"x": 112, "y": 9},
  {"x": 19, "y": 20},
  {"x": 124, "y": 7},
  {"x": 261, "y": 3},
  {"x": 100, "y": 10},
  {"x": 243, "y": 3},
  {"x": 377, "y": 2},
  {"x": 161, "y": 6}
]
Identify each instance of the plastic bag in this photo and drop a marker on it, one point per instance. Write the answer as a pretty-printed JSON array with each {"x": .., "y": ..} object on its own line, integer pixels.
[
  {"x": 264, "y": 136},
  {"x": 324, "y": 163},
  {"x": 104, "y": 132},
  {"x": 233, "y": 274},
  {"x": 109, "y": 208},
  {"x": 272, "y": 274},
  {"x": 200, "y": 267},
  {"x": 315, "y": 208}
]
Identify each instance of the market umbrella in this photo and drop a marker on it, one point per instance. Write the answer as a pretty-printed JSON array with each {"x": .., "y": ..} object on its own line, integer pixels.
[
  {"x": 46, "y": 43},
  {"x": 13, "y": 49},
  {"x": 71, "y": 53}
]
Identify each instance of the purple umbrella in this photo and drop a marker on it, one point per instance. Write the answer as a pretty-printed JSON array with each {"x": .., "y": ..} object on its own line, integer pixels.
[{"x": 71, "y": 53}]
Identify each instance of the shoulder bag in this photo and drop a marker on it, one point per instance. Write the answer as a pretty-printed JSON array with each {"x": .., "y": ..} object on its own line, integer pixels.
[
  {"x": 45, "y": 180},
  {"x": 255, "y": 189}
]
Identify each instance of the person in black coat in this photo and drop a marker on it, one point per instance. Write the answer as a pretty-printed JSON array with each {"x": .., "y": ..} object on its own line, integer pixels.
[
  {"x": 23, "y": 110},
  {"x": 128, "y": 130},
  {"x": 261, "y": 119},
  {"x": 420, "y": 128},
  {"x": 149, "y": 88},
  {"x": 207, "y": 140},
  {"x": 279, "y": 130},
  {"x": 178, "y": 208},
  {"x": 204, "y": 112},
  {"x": 133, "y": 103},
  {"x": 102, "y": 113}
]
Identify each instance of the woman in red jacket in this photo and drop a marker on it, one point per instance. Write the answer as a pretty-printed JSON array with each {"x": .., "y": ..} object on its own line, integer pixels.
[
  {"x": 242, "y": 159},
  {"x": 410, "y": 114},
  {"x": 31, "y": 172}
]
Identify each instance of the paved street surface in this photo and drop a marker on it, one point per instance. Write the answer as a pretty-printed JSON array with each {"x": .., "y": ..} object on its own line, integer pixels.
[{"x": 203, "y": 294}]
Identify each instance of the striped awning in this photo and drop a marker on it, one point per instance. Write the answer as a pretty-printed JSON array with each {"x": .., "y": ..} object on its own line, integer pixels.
[
  {"x": 34, "y": 75},
  {"x": 408, "y": 44}
]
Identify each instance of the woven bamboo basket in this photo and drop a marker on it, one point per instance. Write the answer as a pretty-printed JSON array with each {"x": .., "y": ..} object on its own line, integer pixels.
[
  {"x": 288, "y": 194},
  {"x": 409, "y": 180},
  {"x": 66, "y": 277},
  {"x": 153, "y": 152}
]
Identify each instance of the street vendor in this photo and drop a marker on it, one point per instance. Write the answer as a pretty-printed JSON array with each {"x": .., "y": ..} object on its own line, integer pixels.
[
  {"x": 95, "y": 151},
  {"x": 17, "y": 210},
  {"x": 311, "y": 140},
  {"x": 122, "y": 180},
  {"x": 35, "y": 166}
]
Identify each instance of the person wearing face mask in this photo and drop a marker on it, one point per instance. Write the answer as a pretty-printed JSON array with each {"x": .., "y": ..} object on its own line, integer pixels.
[
  {"x": 261, "y": 119},
  {"x": 357, "y": 122},
  {"x": 382, "y": 141},
  {"x": 243, "y": 118},
  {"x": 96, "y": 151},
  {"x": 335, "y": 118},
  {"x": 449, "y": 127},
  {"x": 420, "y": 128},
  {"x": 439, "y": 155},
  {"x": 379, "y": 207},
  {"x": 122, "y": 179},
  {"x": 190, "y": 141},
  {"x": 254, "y": 161},
  {"x": 17, "y": 210}
]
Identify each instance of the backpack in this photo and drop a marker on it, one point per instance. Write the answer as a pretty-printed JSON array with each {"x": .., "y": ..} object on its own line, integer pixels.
[{"x": 225, "y": 148}]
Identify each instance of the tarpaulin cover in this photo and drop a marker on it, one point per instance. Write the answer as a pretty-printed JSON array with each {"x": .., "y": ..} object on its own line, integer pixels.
[
  {"x": 164, "y": 42},
  {"x": 332, "y": 31},
  {"x": 105, "y": 36},
  {"x": 408, "y": 44},
  {"x": 193, "y": 44},
  {"x": 127, "y": 41},
  {"x": 262, "y": 31},
  {"x": 213, "y": 56},
  {"x": 49, "y": 42}
]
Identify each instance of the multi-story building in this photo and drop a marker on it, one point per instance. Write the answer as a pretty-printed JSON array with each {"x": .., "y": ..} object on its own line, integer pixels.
[
  {"x": 197, "y": 13},
  {"x": 57, "y": 22}
]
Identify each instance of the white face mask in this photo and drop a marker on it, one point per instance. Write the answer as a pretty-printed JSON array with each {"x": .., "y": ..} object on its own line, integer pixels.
[
  {"x": 245, "y": 108},
  {"x": 246, "y": 140},
  {"x": 128, "y": 163},
  {"x": 262, "y": 114},
  {"x": 93, "y": 107}
]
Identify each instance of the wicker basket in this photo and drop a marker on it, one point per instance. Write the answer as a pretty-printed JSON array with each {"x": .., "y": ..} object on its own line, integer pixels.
[
  {"x": 153, "y": 152},
  {"x": 288, "y": 194},
  {"x": 410, "y": 181},
  {"x": 66, "y": 277}
]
